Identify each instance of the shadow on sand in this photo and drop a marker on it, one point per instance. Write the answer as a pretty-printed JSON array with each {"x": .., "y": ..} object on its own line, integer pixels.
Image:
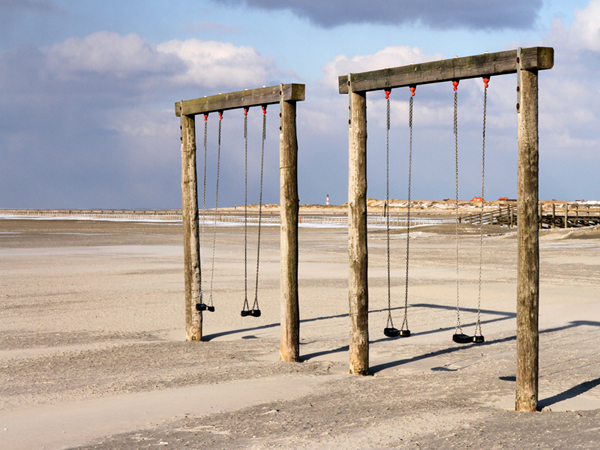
[
  {"x": 210, "y": 337},
  {"x": 458, "y": 348},
  {"x": 568, "y": 394},
  {"x": 503, "y": 316}
]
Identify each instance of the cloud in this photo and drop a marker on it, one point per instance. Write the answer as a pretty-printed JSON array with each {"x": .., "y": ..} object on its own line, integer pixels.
[
  {"x": 437, "y": 14},
  {"x": 89, "y": 122},
  {"x": 215, "y": 64},
  {"x": 105, "y": 53},
  {"x": 585, "y": 29},
  {"x": 131, "y": 59},
  {"x": 569, "y": 109},
  {"x": 130, "y": 66},
  {"x": 388, "y": 57},
  {"x": 583, "y": 35}
]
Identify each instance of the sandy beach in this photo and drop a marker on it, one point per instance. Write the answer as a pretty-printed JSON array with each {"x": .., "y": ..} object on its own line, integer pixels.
[{"x": 92, "y": 350}]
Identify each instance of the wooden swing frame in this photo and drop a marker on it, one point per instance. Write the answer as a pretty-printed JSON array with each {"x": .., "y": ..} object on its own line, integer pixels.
[
  {"x": 286, "y": 95},
  {"x": 526, "y": 62}
]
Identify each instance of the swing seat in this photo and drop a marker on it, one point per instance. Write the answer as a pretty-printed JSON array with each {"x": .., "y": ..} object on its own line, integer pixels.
[
  {"x": 255, "y": 312},
  {"x": 404, "y": 333},
  {"x": 478, "y": 339},
  {"x": 245, "y": 313},
  {"x": 391, "y": 332},
  {"x": 462, "y": 338},
  {"x": 211, "y": 309},
  {"x": 201, "y": 307}
]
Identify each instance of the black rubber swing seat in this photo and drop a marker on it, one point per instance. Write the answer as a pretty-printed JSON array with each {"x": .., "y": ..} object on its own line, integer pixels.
[
  {"x": 204, "y": 307},
  {"x": 391, "y": 332},
  {"x": 255, "y": 312},
  {"x": 245, "y": 313},
  {"x": 395, "y": 332},
  {"x": 462, "y": 338},
  {"x": 478, "y": 339}
]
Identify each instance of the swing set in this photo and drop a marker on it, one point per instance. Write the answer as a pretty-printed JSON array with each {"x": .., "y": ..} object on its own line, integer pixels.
[
  {"x": 286, "y": 95},
  {"x": 525, "y": 63}
]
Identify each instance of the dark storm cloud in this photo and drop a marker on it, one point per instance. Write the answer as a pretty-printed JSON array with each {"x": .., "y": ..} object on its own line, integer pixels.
[{"x": 440, "y": 14}]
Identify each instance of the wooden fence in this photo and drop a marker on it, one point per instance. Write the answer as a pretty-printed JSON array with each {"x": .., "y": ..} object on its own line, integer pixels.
[
  {"x": 94, "y": 214},
  {"x": 552, "y": 215}
]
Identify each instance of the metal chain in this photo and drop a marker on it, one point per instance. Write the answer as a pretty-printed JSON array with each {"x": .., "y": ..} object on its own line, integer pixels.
[
  {"x": 212, "y": 272},
  {"x": 458, "y": 326},
  {"x": 410, "y": 128},
  {"x": 245, "y": 209},
  {"x": 203, "y": 207},
  {"x": 478, "y": 325},
  {"x": 262, "y": 159},
  {"x": 390, "y": 323},
  {"x": 205, "y": 155}
]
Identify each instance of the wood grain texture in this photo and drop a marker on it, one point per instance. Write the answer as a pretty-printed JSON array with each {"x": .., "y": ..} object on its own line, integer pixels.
[
  {"x": 241, "y": 99},
  {"x": 358, "y": 293},
  {"x": 191, "y": 241},
  {"x": 290, "y": 205},
  {"x": 528, "y": 263},
  {"x": 488, "y": 64}
]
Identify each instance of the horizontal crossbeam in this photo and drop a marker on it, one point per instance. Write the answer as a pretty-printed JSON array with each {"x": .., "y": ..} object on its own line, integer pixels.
[
  {"x": 488, "y": 64},
  {"x": 242, "y": 99}
]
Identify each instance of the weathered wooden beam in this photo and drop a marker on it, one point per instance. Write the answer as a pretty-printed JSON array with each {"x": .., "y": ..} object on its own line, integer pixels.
[
  {"x": 488, "y": 64},
  {"x": 290, "y": 205},
  {"x": 528, "y": 258},
  {"x": 242, "y": 99},
  {"x": 358, "y": 294},
  {"x": 191, "y": 241}
]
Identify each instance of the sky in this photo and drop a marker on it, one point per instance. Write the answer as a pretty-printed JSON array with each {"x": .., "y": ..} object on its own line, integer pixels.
[{"x": 87, "y": 94}]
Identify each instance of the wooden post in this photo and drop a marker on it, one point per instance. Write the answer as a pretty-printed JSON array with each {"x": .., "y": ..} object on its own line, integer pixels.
[
  {"x": 358, "y": 294},
  {"x": 288, "y": 172},
  {"x": 528, "y": 245},
  {"x": 191, "y": 240}
]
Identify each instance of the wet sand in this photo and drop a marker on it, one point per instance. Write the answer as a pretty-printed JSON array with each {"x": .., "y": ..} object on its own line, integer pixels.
[{"x": 92, "y": 356}]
